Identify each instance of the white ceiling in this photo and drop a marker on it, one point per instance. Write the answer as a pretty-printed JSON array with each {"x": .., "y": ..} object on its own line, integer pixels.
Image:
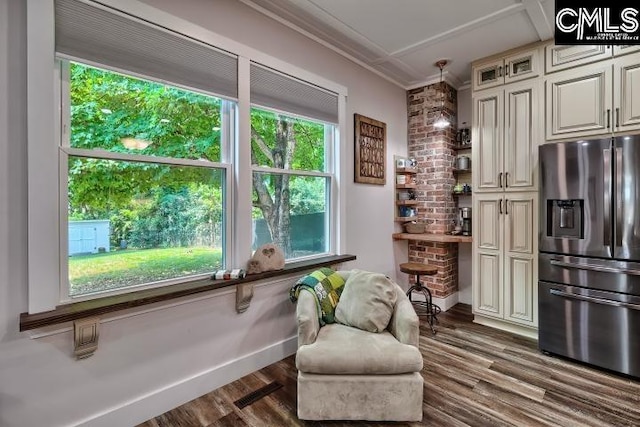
[{"x": 403, "y": 39}]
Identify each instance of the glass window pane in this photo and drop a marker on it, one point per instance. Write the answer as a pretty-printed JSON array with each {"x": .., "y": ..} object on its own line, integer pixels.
[
  {"x": 118, "y": 113},
  {"x": 134, "y": 223},
  {"x": 283, "y": 142},
  {"x": 292, "y": 212}
]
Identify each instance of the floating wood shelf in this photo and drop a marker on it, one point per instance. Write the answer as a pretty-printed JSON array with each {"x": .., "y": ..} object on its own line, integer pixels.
[
  {"x": 405, "y": 218},
  {"x": 405, "y": 186},
  {"x": 430, "y": 237},
  {"x": 462, "y": 147},
  {"x": 406, "y": 202},
  {"x": 406, "y": 170}
]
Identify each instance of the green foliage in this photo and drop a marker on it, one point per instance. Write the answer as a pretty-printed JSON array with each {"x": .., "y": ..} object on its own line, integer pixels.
[
  {"x": 178, "y": 218},
  {"x": 106, "y": 108},
  {"x": 309, "y": 140}
]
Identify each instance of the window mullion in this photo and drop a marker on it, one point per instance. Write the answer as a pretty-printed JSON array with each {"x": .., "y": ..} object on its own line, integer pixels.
[{"x": 242, "y": 227}]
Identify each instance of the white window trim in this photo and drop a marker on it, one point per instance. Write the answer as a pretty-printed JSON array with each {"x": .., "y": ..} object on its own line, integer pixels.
[{"x": 43, "y": 121}]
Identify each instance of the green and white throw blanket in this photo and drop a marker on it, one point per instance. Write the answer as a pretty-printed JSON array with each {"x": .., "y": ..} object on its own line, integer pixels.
[{"x": 326, "y": 285}]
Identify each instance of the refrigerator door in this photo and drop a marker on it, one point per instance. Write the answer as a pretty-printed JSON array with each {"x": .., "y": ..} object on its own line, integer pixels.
[
  {"x": 627, "y": 198},
  {"x": 596, "y": 327},
  {"x": 576, "y": 198}
]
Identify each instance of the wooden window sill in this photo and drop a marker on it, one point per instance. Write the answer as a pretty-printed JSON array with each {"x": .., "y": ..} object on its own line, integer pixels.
[{"x": 99, "y": 306}]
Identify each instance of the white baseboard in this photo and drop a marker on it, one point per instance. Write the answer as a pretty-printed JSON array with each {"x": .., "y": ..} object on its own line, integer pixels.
[
  {"x": 505, "y": 326},
  {"x": 145, "y": 407},
  {"x": 444, "y": 303},
  {"x": 447, "y": 302}
]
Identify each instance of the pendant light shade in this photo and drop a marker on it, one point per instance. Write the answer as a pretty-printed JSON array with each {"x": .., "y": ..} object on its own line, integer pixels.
[{"x": 441, "y": 122}]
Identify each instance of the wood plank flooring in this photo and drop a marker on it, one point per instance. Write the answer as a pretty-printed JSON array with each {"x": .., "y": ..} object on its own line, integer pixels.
[{"x": 473, "y": 376}]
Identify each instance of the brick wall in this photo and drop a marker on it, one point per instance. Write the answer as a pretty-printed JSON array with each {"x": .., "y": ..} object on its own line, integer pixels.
[{"x": 433, "y": 150}]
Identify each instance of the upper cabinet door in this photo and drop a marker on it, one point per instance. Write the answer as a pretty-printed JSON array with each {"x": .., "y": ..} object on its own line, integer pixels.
[
  {"x": 521, "y": 135},
  {"x": 562, "y": 57},
  {"x": 487, "y": 136},
  {"x": 522, "y": 66},
  {"x": 488, "y": 74},
  {"x": 578, "y": 102},
  {"x": 624, "y": 49},
  {"x": 626, "y": 93}
]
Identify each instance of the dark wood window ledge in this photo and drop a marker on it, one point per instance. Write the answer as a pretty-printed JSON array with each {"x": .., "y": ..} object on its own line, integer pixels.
[{"x": 99, "y": 306}]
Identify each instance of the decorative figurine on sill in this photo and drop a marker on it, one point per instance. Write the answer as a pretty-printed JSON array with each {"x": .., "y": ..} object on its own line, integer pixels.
[{"x": 267, "y": 257}]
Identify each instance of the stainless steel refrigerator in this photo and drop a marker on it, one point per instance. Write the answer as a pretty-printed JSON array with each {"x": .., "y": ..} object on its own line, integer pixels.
[{"x": 589, "y": 243}]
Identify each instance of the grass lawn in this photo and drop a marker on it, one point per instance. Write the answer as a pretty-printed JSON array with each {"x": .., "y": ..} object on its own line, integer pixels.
[{"x": 117, "y": 269}]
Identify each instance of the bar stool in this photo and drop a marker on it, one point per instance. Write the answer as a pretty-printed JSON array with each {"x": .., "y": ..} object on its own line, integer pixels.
[{"x": 427, "y": 308}]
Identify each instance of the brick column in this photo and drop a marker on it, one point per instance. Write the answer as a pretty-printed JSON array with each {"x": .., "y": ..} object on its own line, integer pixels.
[{"x": 433, "y": 150}]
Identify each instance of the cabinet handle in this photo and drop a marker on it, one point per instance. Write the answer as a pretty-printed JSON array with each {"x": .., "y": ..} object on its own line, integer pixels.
[
  {"x": 506, "y": 207},
  {"x": 506, "y": 70},
  {"x": 500, "y": 71},
  {"x": 500, "y": 180},
  {"x": 506, "y": 180},
  {"x": 500, "y": 207},
  {"x": 608, "y": 118},
  {"x": 617, "y": 117}
]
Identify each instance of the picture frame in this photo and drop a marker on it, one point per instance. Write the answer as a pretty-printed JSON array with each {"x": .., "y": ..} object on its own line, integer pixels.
[{"x": 370, "y": 146}]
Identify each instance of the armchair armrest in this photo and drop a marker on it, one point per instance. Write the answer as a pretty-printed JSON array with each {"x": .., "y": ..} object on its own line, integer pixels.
[
  {"x": 307, "y": 317},
  {"x": 404, "y": 323}
]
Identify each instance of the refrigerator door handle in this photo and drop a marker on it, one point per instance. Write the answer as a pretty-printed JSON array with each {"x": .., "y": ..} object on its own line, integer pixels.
[
  {"x": 619, "y": 197},
  {"x": 606, "y": 165},
  {"x": 593, "y": 267},
  {"x": 594, "y": 300}
]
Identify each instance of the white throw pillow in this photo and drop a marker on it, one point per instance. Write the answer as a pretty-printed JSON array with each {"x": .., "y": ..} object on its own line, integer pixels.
[{"x": 367, "y": 301}]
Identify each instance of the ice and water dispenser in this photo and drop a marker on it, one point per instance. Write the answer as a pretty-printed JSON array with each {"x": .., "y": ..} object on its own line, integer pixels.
[{"x": 565, "y": 218}]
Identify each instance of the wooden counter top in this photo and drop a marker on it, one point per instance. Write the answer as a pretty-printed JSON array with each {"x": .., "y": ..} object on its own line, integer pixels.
[{"x": 430, "y": 237}]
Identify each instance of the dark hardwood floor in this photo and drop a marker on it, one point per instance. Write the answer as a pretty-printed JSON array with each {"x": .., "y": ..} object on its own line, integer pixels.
[{"x": 473, "y": 376}]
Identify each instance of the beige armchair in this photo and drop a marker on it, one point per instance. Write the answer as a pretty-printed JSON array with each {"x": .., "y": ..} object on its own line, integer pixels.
[{"x": 345, "y": 373}]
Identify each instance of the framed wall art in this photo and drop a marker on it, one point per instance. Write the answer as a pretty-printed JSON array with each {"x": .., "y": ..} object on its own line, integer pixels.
[{"x": 370, "y": 150}]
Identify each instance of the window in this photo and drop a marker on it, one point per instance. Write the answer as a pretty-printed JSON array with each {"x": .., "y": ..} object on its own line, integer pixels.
[
  {"x": 155, "y": 181},
  {"x": 291, "y": 189},
  {"x": 145, "y": 186},
  {"x": 293, "y": 130}
]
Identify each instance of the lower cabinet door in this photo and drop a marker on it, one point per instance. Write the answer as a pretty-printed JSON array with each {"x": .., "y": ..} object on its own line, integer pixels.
[
  {"x": 487, "y": 295},
  {"x": 487, "y": 254},
  {"x": 504, "y": 257},
  {"x": 519, "y": 289}
]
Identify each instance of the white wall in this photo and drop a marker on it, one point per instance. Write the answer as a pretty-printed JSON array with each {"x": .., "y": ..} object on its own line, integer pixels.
[
  {"x": 152, "y": 361},
  {"x": 464, "y": 249}
]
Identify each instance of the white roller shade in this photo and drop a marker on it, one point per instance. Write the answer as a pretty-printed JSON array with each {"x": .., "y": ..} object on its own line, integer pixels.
[
  {"x": 111, "y": 38},
  {"x": 273, "y": 89}
]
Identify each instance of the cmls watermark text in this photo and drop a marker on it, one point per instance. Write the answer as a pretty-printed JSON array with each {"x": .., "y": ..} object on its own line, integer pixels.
[{"x": 596, "y": 25}]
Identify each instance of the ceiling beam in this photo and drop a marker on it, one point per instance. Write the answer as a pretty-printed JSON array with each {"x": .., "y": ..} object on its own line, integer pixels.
[
  {"x": 539, "y": 19},
  {"x": 468, "y": 26}
]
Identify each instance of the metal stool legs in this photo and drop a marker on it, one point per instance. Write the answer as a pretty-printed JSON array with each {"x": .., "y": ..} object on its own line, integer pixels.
[{"x": 431, "y": 309}]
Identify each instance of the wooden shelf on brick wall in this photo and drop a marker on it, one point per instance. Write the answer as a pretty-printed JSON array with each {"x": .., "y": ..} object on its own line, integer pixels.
[
  {"x": 405, "y": 174},
  {"x": 430, "y": 237},
  {"x": 405, "y": 218}
]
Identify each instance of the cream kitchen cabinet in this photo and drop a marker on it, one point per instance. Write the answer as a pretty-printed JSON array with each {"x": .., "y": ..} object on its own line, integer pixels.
[
  {"x": 507, "y": 69},
  {"x": 595, "y": 99},
  {"x": 559, "y": 58},
  {"x": 506, "y": 129},
  {"x": 504, "y": 262}
]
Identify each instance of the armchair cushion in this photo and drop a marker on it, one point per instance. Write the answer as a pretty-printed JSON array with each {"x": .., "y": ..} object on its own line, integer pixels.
[
  {"x": 341, "y": 349},
  {"x": 367, "y": 301}
]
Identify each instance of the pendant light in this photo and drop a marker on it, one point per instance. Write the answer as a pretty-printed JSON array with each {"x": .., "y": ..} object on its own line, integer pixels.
[{"x": 441, "y": 122}]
